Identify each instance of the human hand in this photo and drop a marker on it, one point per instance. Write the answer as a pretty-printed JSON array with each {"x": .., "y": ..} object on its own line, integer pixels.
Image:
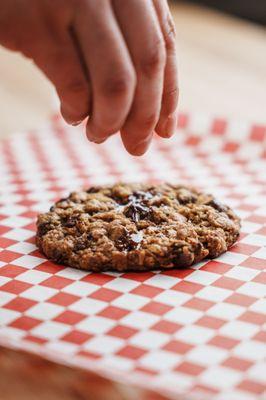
[{"x": 111, "y": 61}]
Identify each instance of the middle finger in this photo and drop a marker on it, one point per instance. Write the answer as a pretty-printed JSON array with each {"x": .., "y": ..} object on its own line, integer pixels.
[{"x": 140, "y": 27}]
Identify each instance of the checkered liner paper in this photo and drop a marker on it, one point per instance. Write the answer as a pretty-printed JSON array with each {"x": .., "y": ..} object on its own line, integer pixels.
[{"x": 195, "y": 333}]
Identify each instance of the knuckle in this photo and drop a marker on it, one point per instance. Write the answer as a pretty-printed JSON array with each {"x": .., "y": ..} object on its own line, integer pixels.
[
  {"x": 148, "y": 122},
  {"x": 154, "y": 60},
  {"x": 172, "y": 94},
  {"x": 120, "y": 85},
  {"x": 170, "y": 100},
  {"x": 170, "y": 38}
]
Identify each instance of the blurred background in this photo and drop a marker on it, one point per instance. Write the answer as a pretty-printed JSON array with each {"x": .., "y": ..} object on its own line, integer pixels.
[{"x": 222, "y": 67}]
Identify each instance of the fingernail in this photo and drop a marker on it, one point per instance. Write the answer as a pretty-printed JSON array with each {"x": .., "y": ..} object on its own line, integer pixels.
[
  {"x": 75, "y": 123},
  {"x": 95, "y": 139},
  {"x": 169, "y": 127},
  {"x": 142, "y": 146}
]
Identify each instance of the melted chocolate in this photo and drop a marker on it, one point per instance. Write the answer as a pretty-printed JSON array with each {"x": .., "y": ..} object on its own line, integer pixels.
[
  {"x": 136, "y": 211},
  {"x": 137, "y": 208},
  {"x": 129, "y": 241}
]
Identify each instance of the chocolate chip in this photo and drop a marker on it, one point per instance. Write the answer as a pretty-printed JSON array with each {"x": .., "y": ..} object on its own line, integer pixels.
[
  {"x": 140, "y": 195},
  {"x": 89, "y": 236},
  {"x": 80, "y": 244},
  {"x": 58, "y": 257},
  {"x": 136, "y": 207},
  {"x": 43, "y": 228},
  {"x": 136, "y": 211},
  {"x": 70, "y": 222},
  {"x": 92, "y": 189},
  {"x": 217, "y": 205},
  {"x": 129, "y": 241},
  {"x": 61, "y": 200}
]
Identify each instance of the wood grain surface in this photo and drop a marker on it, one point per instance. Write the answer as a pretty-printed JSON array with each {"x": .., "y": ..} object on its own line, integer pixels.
[{"x": 222, "y": 64}]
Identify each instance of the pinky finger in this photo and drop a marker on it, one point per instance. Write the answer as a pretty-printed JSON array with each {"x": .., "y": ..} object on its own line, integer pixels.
[{"x": 166, "y": 125}]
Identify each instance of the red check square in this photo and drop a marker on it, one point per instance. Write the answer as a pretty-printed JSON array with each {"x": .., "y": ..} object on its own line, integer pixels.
[
  {"x": 154, "y": 307},
  {"x": 97, "y": 279},
  {"x": 244, "y": 248},
  {"x": 51, "y": 268},
  {"x": 253, "y": 262},
  {"x": 253, "y": 317},
  {"x": 216, "y": 267},
  {"x": 131, "y": 352},
  {"x": 260, "y": 278},
  {"x": 113, "y": 312},
  {"x": 88, "y": 354},
  {"x": 183, "y": 120},
  {"x": 4, "y": 242},
  {"x": 260, "y": 336},
  {"x": 56, "y": 282},
  {"x": 187, "y": 287},
  {"x": 240, "y": 299},
  {"x": 230, "y": 147},
  {"x": 76, "y": 337},
  {"x": 15, "y": 287},
  {"x": 11, "y": 271},
  {"x": 134, "y": 276},
  {"x": 146, "y": 290},
  {"x": 239, "y": 364},
  {"x": 199, "y": 304},
  {"x": 210, "y": 322},
  {"x": 105, "y": 294},
  {"x": 262, "y": 231},
  {"x": 35, "y": 339},
  {"x": 166, "y": 326},
  {"x": 189, "y": 368},
  {"x": 219, "y": 126},
  {"x": 252, "y": 386},
  {"x": 8, "y": 256},
  {"x": 228, "y": 283},
  {"x": 20, "y": 304},
  {"x": 70, "y": 317},
  {"x": 4, "y": 229},
  {"x": 123, "y": 332},
  {"x": 63, "y": 299},
  {"x": 25, "y": 323},
  {"x": 258, "y": 133},
  {"x": 176, "y": 346},
  {"x": 224, "y": 342}
]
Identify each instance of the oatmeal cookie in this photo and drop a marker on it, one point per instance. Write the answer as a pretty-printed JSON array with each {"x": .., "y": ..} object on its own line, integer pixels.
[{"x": 136, "y": 227}]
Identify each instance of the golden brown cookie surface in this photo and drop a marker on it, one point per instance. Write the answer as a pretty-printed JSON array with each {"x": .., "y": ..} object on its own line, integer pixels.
[{"x": 136, "y": 227}]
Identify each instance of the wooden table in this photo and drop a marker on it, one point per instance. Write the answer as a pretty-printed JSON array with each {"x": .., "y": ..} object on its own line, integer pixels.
[{"x": 222, "y": 64}]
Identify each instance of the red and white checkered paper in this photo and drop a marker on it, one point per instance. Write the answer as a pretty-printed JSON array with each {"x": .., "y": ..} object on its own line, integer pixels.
[{"x": 196, "y": 333}]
